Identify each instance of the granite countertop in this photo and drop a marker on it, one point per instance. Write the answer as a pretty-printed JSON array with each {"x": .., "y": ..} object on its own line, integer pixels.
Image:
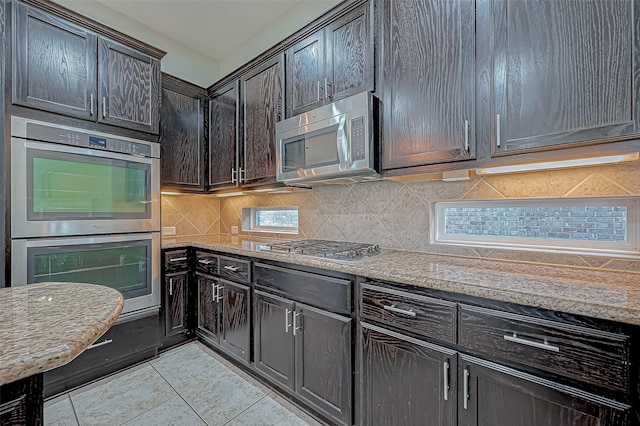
[
  {"x": 600, "y": 294},
  {"x": 47, "y": 325}
]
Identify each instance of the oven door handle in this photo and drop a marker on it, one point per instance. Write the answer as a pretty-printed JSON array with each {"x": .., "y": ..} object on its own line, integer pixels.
[{"x": 66, "y": 149}]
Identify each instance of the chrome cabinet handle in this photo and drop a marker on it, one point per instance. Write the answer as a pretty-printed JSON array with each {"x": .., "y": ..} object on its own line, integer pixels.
[
  {"x": 327, "y": 95},
  {"x": 231, "y": 268},
  {"x": 295, "y": 325},
  {"x": 177, "y": 259},
  {"x": 104, "y": 107},
  {"x": 234, "y": 175},
  {"x": 466, "y": 135},
  {"x": 544, "y": 345},
  {"x": 498, "y": 130},
  {"x": 170, "y": 286},
  {"x": 318, "y": 100},
  {"x": 392, "y": 308},
  {"x": 204, "y": 261},
  {"x": 91, "y": 105},
  {"x": 465, "y": 388},
  {"x": 445, "y": 367},
  {"x": 214, "y": 290},
  {"x": 243, "y": 175},
  {"x": 286, "y": 320},
  {"x": 97, "y": 345},
  {"x": 8, "y": 407},
  {"x": 218, "y": 296}
]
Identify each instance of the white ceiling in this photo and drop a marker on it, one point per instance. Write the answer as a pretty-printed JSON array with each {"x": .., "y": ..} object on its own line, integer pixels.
[{"x": 217, "y": 35}]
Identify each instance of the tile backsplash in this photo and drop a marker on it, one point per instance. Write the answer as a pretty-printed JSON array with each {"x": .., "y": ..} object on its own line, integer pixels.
[{"x": 397, "y": 215}]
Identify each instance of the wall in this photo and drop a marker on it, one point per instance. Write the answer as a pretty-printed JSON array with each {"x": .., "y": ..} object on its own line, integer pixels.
[{"x": 397, "y": 215}]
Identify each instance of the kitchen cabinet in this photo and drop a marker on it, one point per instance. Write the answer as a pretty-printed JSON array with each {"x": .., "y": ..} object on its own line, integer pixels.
[
  {"x": 65, "y": 68},
  {"x": 182, "y": 140},
  {"x": 564, "y": 73},
  {"x": 428, "y": 82},
  {"x": 406, "y": 381},
  {"x": 223, "y": 134},
  {"x": 294, "y": 342},
  {"x": 262, "y": 106},
  {"x": 175, "y": 296},
  {"x": 331, "y": 64},
  {"x": 496, "y": 395},
  {"x": 21, "y": 402},
  {"x": 224, "y": 306}
]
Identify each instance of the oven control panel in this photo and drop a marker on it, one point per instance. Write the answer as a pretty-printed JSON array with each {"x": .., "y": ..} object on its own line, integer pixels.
[{"x": 87, "y": 140}]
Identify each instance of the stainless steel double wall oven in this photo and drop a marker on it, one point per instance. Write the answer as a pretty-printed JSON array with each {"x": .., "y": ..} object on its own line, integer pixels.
[{"x": 85, "y": 207}]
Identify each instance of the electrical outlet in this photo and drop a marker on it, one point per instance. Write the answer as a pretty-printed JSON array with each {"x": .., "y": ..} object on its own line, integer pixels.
[
  {"x": 234, "y": 229},
  {"x": 168, "y": 230}
]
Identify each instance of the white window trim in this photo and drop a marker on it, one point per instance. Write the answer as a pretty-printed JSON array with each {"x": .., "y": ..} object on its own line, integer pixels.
[
  {"x": 630, "y": 249},
  {"x": 249, "y": 223}
]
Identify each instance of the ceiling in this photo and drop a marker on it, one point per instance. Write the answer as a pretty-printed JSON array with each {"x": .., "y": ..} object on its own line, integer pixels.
[{"x": 225, "y": 33}]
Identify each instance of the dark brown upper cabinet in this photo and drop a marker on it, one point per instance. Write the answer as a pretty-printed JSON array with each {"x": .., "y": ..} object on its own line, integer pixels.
[
  {"x": 565, "y": 73},
  {"x": 64, "y": 68},
  {"x": 223, "y": 137},
  {"x": 263, "y": 106},
  {"x": 182, "y": 134},
  {"x": 428, "y": 73},
  {"x": 332, "y": 63}
]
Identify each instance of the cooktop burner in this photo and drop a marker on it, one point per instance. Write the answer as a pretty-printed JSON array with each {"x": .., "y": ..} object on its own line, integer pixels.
[{"x": 334, "y": 250}]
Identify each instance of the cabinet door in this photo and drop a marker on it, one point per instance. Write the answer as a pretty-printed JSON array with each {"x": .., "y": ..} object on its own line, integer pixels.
[
  {"x": 235, "y": 333},
  {"x": 262, "y": 97},
  {"x": 323, "y": 339},
  {"x": 406, "y": 381},
  {"x": 273, "y": 338},
  {"x": 129, "y": 87},
  {"x": 305, "y": 74},
  {"x": 54, "y": 66},
  {"x": 565, "y": 72},
  {"x": 208, "y": 307},
  {"x": 349, "y": 55},
  {"x": 175, "y": 303},
  {"x": 181, "y": 140},
  {"x": 223, "y": 126},
  {"x": 429, "y": 81},
  {"x": 497, "y": 395}
]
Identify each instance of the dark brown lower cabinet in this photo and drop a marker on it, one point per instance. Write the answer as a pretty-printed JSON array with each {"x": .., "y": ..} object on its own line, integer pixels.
[
  {"x": 306, "y": 350},
  {"x": 492, "y": 394},
  {"x": 175, "y": 296},
  {"x": 21, "y": 402},
  {"x": 207, "y": 308},
  {"x": 273, "y": 339},
  {"x": 235, "y": 324},
  {"x": 406, "y": 381}
]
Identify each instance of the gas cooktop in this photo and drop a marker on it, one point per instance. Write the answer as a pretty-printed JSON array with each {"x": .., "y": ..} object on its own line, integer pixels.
[{"x": 331, "y": 250}]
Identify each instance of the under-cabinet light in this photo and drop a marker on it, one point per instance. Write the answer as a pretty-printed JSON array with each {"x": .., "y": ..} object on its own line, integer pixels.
[
  {"x": 230, "y": 194},
  {"x": 171, "y": 193},
  {"x": 594, "y": 161}
]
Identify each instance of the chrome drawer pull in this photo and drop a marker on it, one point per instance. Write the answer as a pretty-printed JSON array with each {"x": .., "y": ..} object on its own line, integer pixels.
[
  {"x": 392, "y": 308},
  {"x": 446, "y": 380},
  {"x": 177, "y": 259},
  {"x": 231, "y": 268},
  {"x": 465, "y": 388},
  {"x": 170, "y": 286},
  {"x": 8, "y": 407},
  {"x": 97, "y": 345},
  {"x": 544, "y": 345},
  {"x": 205, "y": 262}
]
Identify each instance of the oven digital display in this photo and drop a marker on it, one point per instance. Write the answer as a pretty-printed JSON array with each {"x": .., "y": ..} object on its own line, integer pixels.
[{"x": 97, "y": 142}]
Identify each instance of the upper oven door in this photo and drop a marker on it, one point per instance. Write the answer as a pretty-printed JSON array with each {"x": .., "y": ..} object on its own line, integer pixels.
[{"x": 59, "y": 190}]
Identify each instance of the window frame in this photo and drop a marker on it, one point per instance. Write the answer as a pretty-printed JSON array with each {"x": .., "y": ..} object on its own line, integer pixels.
[
  {"x": 249, "y": 220},
  {"x": 630, "y": 248}
]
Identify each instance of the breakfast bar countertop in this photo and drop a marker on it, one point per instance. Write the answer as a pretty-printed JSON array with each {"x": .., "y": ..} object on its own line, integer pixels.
[
  {"x": 608, "y": 295},
  {"x": 47, "y": 325}
]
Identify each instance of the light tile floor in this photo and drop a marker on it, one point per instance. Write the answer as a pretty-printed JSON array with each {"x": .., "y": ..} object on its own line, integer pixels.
[{"x": 188, "y": 385}]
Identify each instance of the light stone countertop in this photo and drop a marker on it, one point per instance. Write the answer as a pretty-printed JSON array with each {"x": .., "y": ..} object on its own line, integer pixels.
[
  {"x": 47, "y": 325},
  {"x": 606, "y": 295}
]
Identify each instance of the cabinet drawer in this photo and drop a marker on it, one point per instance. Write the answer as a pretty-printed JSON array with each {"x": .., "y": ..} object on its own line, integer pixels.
[
  {"x": 207, "y": 262},
  {"x": 235, "y": 269},
  {"x": 585, "y": 354},
  {"x": 419, "y": 314},
  {"x": 176, "y": 260}
]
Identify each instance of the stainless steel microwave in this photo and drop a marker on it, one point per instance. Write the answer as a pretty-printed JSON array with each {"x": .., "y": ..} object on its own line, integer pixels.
[{"x": 331, "y": 144}]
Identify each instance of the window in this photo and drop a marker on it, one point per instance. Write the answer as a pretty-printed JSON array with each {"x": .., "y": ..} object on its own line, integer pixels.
[
  {"x": 587, "y": 225},
  {"x": 283, "y": 220}
]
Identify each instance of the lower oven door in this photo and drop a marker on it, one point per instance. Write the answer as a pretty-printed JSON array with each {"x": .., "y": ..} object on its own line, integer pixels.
[{"x": 129, "y": 263}]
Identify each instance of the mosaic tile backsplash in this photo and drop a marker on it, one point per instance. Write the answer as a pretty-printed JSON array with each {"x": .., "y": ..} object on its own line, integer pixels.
[{"x": 397, "y": 215}]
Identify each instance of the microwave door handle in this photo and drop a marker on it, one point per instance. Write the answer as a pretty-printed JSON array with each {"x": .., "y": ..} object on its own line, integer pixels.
[{"x": 343, "y": 145}]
